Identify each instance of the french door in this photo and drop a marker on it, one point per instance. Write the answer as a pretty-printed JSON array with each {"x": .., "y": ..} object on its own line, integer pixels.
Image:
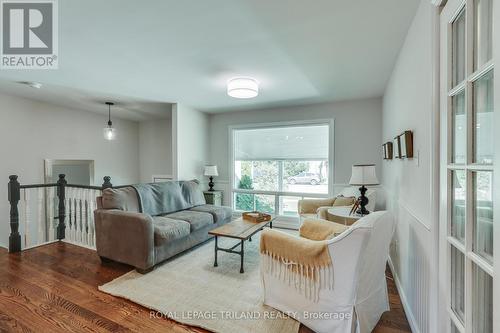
[{"x": 469, "y": 186}]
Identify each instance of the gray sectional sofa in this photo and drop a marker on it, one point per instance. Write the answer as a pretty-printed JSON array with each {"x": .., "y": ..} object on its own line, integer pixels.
[{"x": 145, "y": 224}]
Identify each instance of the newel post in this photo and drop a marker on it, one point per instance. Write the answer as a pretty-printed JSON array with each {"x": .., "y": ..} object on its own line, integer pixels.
[
  {"x": 61, "y": 194},
  {"x": 107, "y": 182},
  {"x": 14, "y": 197}
]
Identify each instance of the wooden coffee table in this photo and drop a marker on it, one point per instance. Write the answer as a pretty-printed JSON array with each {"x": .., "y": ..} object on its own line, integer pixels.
[{"x": 238, "y": 229}]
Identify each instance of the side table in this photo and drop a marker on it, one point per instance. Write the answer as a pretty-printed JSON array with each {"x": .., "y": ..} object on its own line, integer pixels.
[{"x": 213, "y": 197}]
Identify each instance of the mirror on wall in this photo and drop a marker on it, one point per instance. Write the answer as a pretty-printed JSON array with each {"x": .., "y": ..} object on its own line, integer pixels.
[{"x": 79, "y": 172}]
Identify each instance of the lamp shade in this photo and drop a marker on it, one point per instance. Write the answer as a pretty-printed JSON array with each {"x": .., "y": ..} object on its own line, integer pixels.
[
  {"x": 109, "y": 133},
  {"x": 363, "y": 175},
  {"x": 211, "y": 170}
]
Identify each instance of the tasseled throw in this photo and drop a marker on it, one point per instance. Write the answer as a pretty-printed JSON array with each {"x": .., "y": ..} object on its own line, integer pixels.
[{"x": 307, "y": 280}]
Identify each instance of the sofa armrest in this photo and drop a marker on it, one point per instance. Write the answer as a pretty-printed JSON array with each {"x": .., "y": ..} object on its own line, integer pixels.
[
  {"x": 126, "y": 237},
  {"x": 310, "y": 206},
  {"x": 316, "y": 229}
]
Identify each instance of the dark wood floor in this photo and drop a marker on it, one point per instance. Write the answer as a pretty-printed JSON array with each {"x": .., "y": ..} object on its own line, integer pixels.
[{"x": 53, "y": 288}]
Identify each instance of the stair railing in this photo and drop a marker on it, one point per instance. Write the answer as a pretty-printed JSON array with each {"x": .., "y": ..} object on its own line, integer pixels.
[{"x": 75, "y": 207}]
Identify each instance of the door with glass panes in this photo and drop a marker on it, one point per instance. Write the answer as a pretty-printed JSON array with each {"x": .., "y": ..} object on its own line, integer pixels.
[{"x": 468, "y": 168}]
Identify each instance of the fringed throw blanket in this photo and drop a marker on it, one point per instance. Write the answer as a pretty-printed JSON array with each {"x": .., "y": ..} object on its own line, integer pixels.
[
  {"x": 168, "y": 197},
  {"x": 299, "y": 262}
]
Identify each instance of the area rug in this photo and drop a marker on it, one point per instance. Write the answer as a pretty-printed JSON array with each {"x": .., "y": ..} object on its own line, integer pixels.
[{"x": 188, "y": 289}]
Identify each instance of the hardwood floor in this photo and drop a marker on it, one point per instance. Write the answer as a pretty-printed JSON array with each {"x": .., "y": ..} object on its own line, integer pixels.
[{"x": 53, "y": 288}]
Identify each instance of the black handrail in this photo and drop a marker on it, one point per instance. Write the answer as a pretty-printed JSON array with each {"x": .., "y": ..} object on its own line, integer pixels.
[
  {"x": 37, "y": 185},
  {"x": 15, "y": 195},
  {"x": 87, "y": 187}
]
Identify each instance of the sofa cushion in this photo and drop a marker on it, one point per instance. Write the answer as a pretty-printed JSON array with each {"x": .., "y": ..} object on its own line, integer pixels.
[
  {"x": 197, "y": 220},
  {"x": 167, "y": 229},
  {"x": 219, "y": 213},
  {"x": 124, "y": 198}
]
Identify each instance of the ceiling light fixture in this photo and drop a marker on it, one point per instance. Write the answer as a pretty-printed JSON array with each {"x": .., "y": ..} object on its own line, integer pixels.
[
  {"x": 243, "y": 87},
  {"x": 109, "y": 131}
]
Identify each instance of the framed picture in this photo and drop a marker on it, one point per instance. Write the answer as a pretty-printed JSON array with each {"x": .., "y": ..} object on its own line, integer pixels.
[
  {"x": 387, "y": 150},
  {"x": 406, "y": 141},
  {"x": 397, "y": 147}
]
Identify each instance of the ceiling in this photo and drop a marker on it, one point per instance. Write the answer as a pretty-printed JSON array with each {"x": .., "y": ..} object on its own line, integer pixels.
[
  {"x": 159, "y": 52},
  {"x": 125, "y": 107}
]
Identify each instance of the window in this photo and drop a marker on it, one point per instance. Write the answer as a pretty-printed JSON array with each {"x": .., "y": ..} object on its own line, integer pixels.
[{"x": 275, "y": 166}]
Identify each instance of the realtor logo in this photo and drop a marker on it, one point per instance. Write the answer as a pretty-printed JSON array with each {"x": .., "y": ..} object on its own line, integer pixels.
[{"x": 29, "y": 34}]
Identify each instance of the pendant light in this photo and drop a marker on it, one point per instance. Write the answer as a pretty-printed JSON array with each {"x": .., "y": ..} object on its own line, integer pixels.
[{"x": 109, "y": 131}]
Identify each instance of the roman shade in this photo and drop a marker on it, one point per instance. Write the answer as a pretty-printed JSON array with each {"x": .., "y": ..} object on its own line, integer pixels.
[{"x": 308, "y": 142}]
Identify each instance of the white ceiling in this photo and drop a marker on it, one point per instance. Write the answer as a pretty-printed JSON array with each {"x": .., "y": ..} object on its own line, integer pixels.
[
  {"x": 167, "y": 51},
  {"x": 125, "y": 107}
]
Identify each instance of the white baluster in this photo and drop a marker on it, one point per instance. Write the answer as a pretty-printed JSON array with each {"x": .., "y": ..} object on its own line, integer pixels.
[
  {"x": 88, "y": 213},
  {"x": 85, "y": 226},
  {"x": 95, "y": 194},
  {"x": 71, "y": 214},
  {"x": 40, "y": 217},
  {"x": 22, "y": 216},
  {"x": 50, "y": 194},
  {"x": 84, "y": 217},
  {"x": 67, "y": 213},
  {"x": 90, "y": 207},
  {"x": 79, "y": 216},
  {"x": 26, "y": 217},
  {"x": 67, "y": 210},
  {"x": 94, "y": 207},
  {"x": 74, "y": 214}
]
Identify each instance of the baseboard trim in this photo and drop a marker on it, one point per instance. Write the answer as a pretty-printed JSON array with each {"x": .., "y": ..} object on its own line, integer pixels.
[{"x": 404, "y": 301}]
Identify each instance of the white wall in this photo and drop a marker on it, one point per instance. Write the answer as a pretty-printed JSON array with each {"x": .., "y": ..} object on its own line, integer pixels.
[
  {"x": 155, "y": 148},
  {"x": 190, "y": 148},
  {"x": 408, "y": 105},
  {"x": 358, "y": 139},
  {"x": 32, "y": 131}
]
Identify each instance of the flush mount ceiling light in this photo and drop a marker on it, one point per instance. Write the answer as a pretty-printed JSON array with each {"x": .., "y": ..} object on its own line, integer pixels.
[
  {"x": 109, "y": 131},
  {"x": 243, "y": 87}
]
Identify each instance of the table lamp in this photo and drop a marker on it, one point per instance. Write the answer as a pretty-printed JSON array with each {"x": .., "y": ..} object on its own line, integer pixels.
[
  {"x": 211, "y": 172},
  {"x": 363, "y": 175}
]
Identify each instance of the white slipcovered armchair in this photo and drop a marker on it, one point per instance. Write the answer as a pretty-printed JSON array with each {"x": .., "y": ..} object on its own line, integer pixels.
[
  {"x": 356, "y": 296},
  {"x": 318, "y": 208}
]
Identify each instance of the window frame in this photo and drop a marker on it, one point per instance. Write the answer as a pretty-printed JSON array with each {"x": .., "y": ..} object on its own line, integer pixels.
[{"x": 330, "y": 122}]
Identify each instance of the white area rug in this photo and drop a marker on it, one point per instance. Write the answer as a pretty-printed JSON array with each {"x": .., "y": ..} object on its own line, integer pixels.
[{"x": 190, "y": 290}]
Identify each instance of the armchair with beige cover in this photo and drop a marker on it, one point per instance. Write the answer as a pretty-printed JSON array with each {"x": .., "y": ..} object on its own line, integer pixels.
[
  {"x": 318, "y": 208},
  {"x": 332, "y": 277}
]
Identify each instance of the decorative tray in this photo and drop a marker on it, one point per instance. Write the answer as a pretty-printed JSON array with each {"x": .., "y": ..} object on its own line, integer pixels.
[{"x": 256, "y": 217}]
